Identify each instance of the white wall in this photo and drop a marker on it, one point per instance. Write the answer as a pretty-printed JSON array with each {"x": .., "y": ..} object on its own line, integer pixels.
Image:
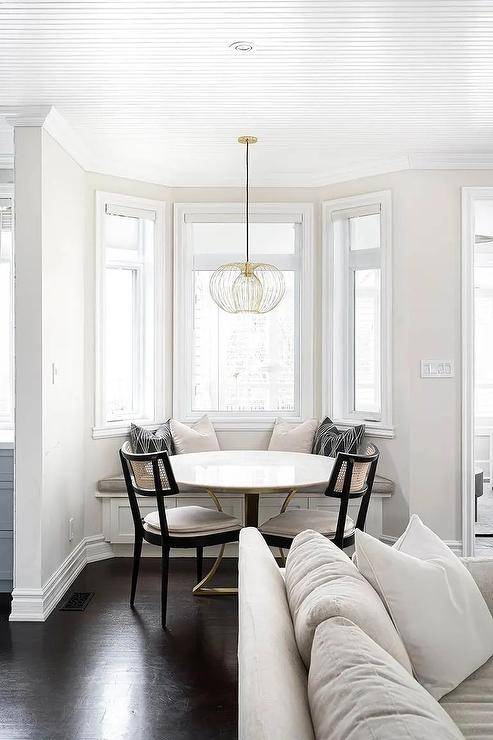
[
  {"x": 51, "y": 250},
  {"x": 424, "y": 457},
  {"x": 425, "y": 454},
  {"x": 64, "y": 258}
]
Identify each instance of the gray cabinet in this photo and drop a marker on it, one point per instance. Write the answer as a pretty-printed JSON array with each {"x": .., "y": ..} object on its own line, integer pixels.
[{"x": 6, "y": 518}]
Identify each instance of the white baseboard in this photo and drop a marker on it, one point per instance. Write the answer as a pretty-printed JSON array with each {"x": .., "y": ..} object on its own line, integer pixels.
[
  {"x": 36, "y": 604},
  {"x": 455, "y": 545}
]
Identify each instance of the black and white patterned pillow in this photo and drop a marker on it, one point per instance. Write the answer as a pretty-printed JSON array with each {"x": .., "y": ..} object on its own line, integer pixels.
[
  {"x": 146, "y": 440},
  {"x": 329, "y": 440}
]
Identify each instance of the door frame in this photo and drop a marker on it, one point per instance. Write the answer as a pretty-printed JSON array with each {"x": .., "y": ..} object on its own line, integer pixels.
[{"x": 469, "y": 196}]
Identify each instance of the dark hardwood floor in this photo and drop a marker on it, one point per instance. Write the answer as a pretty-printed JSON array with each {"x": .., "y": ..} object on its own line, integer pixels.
[{"x": 110, "y": 672}]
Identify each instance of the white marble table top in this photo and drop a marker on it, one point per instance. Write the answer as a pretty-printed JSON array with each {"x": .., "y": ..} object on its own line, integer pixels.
[{"x": 258, "y": 471}]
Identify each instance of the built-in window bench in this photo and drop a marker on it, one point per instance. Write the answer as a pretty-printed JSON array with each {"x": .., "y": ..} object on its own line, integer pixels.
[{"x": 118, "y": 526}]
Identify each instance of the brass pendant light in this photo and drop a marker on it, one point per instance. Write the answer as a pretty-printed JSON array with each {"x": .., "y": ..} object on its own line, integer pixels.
[{"x": 247, "y": 287}]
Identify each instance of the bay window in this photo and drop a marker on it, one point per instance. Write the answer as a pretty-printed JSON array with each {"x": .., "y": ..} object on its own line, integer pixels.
[
  {"x": 243, "y": 368},
  {"x": 357, "y": 311}
]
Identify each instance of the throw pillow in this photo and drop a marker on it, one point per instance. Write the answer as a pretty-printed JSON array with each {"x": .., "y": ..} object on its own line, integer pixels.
[
  {"x": 356, "y": 690},
  {"x": 329, "y": 440},
  {"x": 290, "y": 437},
  {"x": 322, "y": 582},
  {"x": 434, "y": 602},
  {"x": 146, "y": 440},
  {"x": 200, "y": 437}
]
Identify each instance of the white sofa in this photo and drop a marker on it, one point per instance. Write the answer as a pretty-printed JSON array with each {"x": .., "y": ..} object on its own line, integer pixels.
[{"x": 276, "y": 694}]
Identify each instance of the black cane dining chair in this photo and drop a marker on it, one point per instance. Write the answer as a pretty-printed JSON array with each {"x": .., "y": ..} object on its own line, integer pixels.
[
  {"x": 151, "y": 474},
  {"x": 351, "y": 478}
]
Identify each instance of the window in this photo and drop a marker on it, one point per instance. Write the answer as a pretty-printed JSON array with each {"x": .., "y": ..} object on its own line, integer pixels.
[
  {"x": 6, "y": 315},
  {"x": 357, "y": 310},
  {"x": 242, "y": 368},
  {"x": 129, "y": 327}
]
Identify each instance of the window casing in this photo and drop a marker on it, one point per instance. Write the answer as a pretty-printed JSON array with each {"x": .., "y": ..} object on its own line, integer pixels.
[
  {"x": 357, "y": 315},
  {"x": 243, "y": 370},
  {"x": 129, "y": 312},
  {"x": 6, "y": 310}
]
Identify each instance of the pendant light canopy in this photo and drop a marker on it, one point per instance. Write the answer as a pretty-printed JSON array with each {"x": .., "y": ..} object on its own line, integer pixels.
[{"x": 247, "y": 287}]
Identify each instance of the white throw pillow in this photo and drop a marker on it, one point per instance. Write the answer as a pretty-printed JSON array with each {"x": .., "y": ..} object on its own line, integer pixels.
[
  {"x": 322, "y": 582},
  {"x": 289, "y": 437},
  {"x": 200, "y": 437},
  {"x": 434, "y": 602},
  {"x": 357, "y": 690}
]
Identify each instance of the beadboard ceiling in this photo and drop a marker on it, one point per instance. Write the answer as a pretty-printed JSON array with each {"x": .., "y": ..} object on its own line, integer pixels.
[{"x": 331, "y": 86}]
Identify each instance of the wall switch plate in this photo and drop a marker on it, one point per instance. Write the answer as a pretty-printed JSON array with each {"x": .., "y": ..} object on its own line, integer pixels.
[
  {"x": 437, "y": 369},
  {"x": 71, "y": 529}
]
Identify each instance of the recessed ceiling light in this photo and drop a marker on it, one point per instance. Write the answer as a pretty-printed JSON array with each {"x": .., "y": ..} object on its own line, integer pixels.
[{"x": 241, "y": 46}]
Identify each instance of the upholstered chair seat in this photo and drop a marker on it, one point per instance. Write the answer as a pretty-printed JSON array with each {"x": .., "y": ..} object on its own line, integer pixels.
[
  {"x": 294, "y": 521},
  {"x": 189, "y": 520}
]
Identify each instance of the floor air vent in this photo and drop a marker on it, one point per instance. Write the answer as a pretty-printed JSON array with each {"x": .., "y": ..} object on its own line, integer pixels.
[{"x": 77, "y": 601}]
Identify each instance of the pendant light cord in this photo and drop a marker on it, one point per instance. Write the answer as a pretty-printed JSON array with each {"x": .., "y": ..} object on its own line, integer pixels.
[{"x": 247, "y": 206}]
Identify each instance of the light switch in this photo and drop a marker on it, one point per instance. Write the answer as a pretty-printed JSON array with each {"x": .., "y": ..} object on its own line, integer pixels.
[{"x": 437, "y": 368}]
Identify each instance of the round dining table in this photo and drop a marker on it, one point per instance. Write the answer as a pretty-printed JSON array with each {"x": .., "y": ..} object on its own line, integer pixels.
[{"x": 248, "y": 473}]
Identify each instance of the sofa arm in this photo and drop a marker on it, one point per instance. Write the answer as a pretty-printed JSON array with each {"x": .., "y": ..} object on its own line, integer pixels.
[
  {"x": 481, "y": 570},
  {"x": 272, "y": 691}
]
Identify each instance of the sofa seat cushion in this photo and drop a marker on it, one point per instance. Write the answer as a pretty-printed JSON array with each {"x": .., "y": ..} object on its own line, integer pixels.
[
  {"x": 470, "y": 705},
  {"x": 193, "y": 520},
  {"x": 294, "y": 521},
  {"x": 357, "y": 690},
  {"x": 273, "y": 701},
  {"x": 322, "y": 582}
]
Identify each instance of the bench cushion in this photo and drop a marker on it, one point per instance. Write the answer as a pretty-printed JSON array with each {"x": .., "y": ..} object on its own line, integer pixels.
[{"x": 116, "y": 484}]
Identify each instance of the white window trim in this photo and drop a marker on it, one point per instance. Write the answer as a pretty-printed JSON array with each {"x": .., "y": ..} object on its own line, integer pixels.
[
  {"x": 383, "y": 199},
  {"x": 162, "y": 310},
  {"x": 7, "y": 426},
  {"x": 302, "y": 212}
]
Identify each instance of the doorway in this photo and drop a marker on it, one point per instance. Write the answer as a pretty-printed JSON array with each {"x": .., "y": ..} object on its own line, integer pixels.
[{"x": 477, "y": 370}]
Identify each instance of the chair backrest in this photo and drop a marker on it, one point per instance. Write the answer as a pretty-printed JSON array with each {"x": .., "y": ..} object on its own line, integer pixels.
[
  {"x": 352, "y": 477},
  {"x": 148, "y": 474}
]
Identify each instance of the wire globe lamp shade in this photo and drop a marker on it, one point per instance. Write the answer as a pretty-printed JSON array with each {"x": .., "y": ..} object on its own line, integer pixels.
[{"x": 247, "y": 287}]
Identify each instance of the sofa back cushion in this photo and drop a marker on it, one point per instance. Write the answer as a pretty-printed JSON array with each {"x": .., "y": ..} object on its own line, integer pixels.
[
  {"x": 273, "y": 701},
  {"x": 357, "y": 690},
  {"x": 322, "y": 582}
]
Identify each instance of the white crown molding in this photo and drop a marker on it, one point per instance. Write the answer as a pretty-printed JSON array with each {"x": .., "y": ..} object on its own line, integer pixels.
[
  {"x": 54, "y": 123},
  {"x": 28, "y": 115},
  {"x": 451, "y": 161},
  {"x": 36, "y": 604}
]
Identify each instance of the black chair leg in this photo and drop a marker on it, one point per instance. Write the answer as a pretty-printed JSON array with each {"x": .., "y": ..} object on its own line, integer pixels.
[
  {"x": 135, "y": 569},
  {"x": 164, "y": 584},
  {"x": 200, "y": 556}
]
